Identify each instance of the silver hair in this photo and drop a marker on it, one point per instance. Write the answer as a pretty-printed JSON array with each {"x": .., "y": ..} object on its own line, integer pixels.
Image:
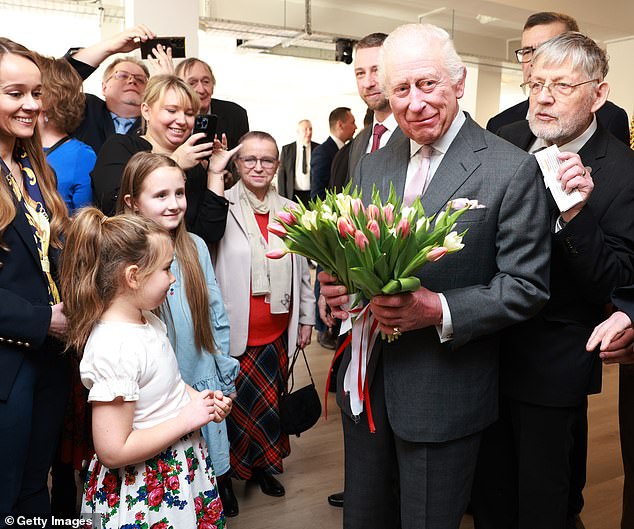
[
  {"x": 583, "y": 53},
  {"x": 425, "y": 35}
]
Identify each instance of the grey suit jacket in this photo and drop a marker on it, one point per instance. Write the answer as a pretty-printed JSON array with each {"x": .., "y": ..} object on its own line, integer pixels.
[{"x": 438, "y": 392}]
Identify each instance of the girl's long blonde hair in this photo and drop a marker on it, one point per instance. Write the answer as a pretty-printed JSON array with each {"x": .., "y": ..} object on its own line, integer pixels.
[
  {"x": 55, "y": 206},
  {"x": 96, "y": 252},
  {"x": 134, "y": 175}
]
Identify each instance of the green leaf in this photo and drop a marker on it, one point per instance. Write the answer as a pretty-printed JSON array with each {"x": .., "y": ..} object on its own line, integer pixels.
[{"x": 382, "y": 269}]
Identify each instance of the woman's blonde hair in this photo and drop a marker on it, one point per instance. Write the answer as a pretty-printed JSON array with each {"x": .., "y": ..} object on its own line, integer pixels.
[
  {"x": 92, "y": 264},
  {"x": 140, "y": 166},
  {"x": 58, "y": 214},
  {"x": 159, "y": 84}
]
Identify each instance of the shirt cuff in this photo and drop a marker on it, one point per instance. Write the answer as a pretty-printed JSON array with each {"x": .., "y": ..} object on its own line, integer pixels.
[{"x": 445, "y": 329}]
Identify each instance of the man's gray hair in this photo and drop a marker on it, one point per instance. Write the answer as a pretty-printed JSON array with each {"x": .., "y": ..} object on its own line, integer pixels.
[
  {"x": 427, "y": 35},
  {"x": 583, "y": 53}
]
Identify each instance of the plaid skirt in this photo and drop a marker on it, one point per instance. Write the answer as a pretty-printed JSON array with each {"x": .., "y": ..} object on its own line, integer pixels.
[{"x": 253, "y": 426}]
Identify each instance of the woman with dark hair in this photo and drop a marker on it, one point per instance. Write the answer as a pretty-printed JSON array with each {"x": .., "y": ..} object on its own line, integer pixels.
[
  {"x": 33, "y": 372},
  {"x": 63, "y": 103}
]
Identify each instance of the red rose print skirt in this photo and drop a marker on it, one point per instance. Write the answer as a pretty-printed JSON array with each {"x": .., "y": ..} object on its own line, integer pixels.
[{"x": 174, "y": 490}]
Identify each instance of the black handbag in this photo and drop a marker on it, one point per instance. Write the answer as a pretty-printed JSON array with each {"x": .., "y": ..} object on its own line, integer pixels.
[{"x": 301, "y": 409}]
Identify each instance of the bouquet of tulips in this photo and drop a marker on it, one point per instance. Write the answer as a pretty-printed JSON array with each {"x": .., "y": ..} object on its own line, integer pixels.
[{"x": 374, "y": 249}]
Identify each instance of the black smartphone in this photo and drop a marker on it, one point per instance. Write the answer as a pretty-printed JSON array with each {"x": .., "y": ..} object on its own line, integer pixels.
[
  {"x": 176, "y": 43},
  {"x": 205, "y": 123}
]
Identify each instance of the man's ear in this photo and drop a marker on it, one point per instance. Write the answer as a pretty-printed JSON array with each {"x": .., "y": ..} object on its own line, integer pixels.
[
  {"x": 602, "y": 91},
  {"x": 130, "y": 274}
]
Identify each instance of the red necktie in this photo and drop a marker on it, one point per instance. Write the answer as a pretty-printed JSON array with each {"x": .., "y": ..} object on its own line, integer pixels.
[
  {"x": 417, "y": 184},
  {"x": 378, "y": 131}
]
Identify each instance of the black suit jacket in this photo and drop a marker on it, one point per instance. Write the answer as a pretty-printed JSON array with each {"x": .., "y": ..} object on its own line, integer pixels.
[
  {"x": 346, "y": 160},
  {"x": 320, "y": 162},
  {"x": 25, "y": 313},
  {"x": 610, "y": 116},
  {"x": 286, "y": 172},
  {"x": 232, "y": 120},
  {"x": 623, "y": 298},
  {"x": 544, "y": 360}
]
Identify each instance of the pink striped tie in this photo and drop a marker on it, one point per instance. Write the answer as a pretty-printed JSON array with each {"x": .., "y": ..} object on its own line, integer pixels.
[{"x": 417, "y": 184}]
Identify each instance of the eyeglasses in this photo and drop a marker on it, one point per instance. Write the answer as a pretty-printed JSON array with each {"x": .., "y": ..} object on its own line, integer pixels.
[
  {"x": 251, "y": 161},
  {"x": 525, "y": 54},
  {"x": 122, "y": 75},
  {"x": 555, "y": 89}
]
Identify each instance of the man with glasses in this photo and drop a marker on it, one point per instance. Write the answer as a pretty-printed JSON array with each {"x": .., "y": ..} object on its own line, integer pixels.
[
  {"x": 123, "y": 84},
  {"x": 525, "y": 467},
  {"x": 539, "y": 28}
]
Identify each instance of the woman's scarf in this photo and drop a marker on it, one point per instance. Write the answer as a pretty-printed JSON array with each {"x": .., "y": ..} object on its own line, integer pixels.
[
  {"x": 35, "y": 211},
  {"x": 269, "y": 277}
]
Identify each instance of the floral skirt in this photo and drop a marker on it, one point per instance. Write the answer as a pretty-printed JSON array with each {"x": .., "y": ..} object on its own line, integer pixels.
[{"x": 174, "y": 490}]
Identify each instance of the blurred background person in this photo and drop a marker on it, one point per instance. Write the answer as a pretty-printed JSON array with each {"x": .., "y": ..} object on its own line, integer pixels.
[
  {"x": 33, "y": 372},
  {"x": 169, "y": 107},
  {"x": 293, "y": 175},
  {"x": 271, "y": 310}
]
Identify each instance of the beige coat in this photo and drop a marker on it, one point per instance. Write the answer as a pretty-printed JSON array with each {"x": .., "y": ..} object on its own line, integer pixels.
[{"x": 232, "y": 264}]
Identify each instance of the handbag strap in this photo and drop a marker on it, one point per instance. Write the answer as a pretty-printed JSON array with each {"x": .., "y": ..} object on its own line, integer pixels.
[{"x": 291, "y": 373}]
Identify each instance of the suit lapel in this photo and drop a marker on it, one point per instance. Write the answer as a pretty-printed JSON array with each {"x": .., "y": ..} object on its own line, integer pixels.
[
  {"x": 458, "y": 164},
  {"x": 25, "y": 232}
]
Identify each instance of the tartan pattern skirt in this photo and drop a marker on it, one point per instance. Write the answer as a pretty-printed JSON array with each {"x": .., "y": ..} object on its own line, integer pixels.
[{"x": 255, "y": 436}]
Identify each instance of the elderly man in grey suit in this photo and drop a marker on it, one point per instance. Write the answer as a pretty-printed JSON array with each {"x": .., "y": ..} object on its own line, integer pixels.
[{"x": 434, "y": 389}]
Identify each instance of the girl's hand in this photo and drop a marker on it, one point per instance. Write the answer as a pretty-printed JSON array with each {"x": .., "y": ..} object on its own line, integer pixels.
[
  {"x": 222, "y": 406},
  {"x": 189, "y": 154},
  {"x": 200, "y": 410}
]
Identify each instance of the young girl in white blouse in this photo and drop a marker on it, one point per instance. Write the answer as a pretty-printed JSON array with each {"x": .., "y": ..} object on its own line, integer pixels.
[{"x": 151, "y": 464}]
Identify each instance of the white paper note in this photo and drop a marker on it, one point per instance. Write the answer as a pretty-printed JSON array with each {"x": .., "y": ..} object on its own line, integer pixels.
[{"x": 549, "y": 163}]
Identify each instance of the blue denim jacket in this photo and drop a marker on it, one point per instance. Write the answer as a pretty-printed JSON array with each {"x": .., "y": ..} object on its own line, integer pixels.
[{"x": 202, "y": 369}]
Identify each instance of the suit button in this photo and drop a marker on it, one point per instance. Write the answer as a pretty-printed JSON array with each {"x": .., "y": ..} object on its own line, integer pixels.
[
  {"x": 19, "y": 343},
  {"x": 27, "y": 344},
  {"x": 1, "y": 339},
  {"x": 9, "y": 340}
]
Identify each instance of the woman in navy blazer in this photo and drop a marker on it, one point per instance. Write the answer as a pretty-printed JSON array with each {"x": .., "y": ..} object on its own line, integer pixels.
[{"x": 33, "y": 385}]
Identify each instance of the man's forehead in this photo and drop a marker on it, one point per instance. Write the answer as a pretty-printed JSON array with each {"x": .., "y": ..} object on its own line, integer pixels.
[
  {"x": 553, "y": 69},
  {"x": 541, "y": 33},
  {"x": 367, "y": 57},
  {"x": 129, "y": 67}
]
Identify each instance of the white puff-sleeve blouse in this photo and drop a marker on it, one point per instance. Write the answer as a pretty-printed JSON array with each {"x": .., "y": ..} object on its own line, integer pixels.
[{"x": 135, "y": 362}]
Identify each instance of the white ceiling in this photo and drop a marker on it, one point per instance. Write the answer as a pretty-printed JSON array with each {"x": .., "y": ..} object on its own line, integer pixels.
[{"x": 485, "y": 29}]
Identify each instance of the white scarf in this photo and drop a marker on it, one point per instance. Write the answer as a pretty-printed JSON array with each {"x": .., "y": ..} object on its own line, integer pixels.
[{"x": 269, "y": 277}]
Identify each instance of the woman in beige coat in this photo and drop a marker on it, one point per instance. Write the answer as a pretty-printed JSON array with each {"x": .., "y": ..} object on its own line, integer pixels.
[{"x": 271, "y": 310}]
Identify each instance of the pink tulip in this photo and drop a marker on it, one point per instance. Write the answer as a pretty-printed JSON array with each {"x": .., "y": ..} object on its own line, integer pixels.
[
  {"x": 361, "y": 240},
  {"x": 372, "y": 212},
  {"x": 287, "y": 217},
  {"x": 276, "y": 254},
  {"x": 277, "y": 229},
  {"x": 373, "y": 228},
  {"x": 388, "y": 214},
  {"x": 357, "y": 205},
  {"x": 402, "y": 228},
  {"x": 345, "y": 227},
  {"x": 436, "y": 253}
]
